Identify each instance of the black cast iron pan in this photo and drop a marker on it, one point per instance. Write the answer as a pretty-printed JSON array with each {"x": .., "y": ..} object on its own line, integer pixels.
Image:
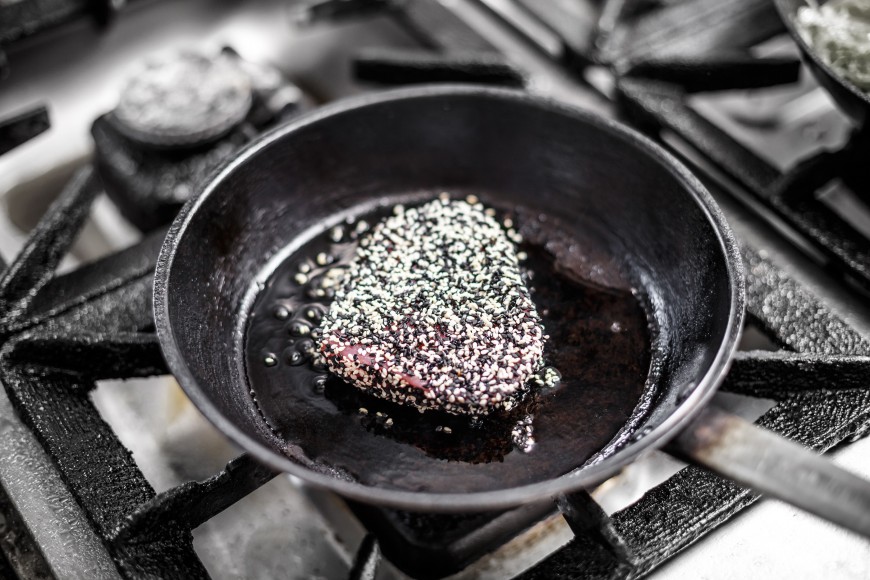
[
  {"x": 851, "y": 100},
  {"x": 512, "y": 150}
]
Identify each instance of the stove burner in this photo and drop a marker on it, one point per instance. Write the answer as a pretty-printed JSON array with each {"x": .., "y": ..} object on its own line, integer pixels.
[
  {"x": 150, "y": 186},
  {"x": 183, "y": 99},
  {"x": 178, "y": 121}
]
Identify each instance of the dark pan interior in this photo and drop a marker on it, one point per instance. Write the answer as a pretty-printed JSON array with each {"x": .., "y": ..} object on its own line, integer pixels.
[
  {"x": 599, "y": 340},
  {"x": 514, "y": 148},
  {"x": 851, "y": 100}
]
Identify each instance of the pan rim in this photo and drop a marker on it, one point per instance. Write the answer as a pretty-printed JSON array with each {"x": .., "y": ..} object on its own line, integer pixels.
[
  {"x": 542, "y": 491},
  {"x": 783, "y": 8}
]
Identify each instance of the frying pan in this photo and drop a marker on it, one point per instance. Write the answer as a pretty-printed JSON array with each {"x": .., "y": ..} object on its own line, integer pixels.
[
  {"x": 851, "y": 100},
  {"x": 512, "y": 149}
]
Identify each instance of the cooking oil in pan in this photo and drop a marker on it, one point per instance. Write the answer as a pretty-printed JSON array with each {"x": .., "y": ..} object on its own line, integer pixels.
[{"x": 597, "y": 358}]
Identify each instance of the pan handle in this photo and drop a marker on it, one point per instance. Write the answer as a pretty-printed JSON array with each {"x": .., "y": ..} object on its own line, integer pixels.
[{"x": 772, "y": 465}]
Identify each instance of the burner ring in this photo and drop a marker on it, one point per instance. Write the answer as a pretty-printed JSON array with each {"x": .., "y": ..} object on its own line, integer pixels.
[{"x": 183, "y": 99}]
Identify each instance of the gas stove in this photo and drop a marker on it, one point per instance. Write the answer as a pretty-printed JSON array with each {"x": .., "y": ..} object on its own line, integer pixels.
[{"x": 108, "y": 471}]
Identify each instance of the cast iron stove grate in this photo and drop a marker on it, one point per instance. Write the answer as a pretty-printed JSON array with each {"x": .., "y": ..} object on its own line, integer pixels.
[
  {"x": 662, "y": 54},
  {"x": 60, "y": 334},
  {"x": 63, "y": 333},
  {"x": 663, "y": 58}
]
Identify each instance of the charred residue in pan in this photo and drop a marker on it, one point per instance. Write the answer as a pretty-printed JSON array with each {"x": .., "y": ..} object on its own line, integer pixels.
[{"x": 599, "y": 341}]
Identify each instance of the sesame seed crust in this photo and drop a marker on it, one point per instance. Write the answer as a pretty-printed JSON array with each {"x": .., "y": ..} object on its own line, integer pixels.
[{"x": 433, "y": 312}]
